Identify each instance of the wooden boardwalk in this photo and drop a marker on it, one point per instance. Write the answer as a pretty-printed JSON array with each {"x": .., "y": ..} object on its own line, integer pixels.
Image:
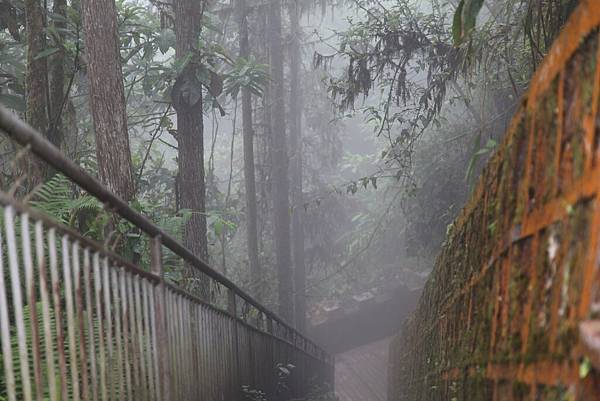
[{"x": 361, "y": 373}]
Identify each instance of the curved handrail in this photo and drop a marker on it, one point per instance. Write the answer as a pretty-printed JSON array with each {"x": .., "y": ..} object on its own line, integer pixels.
[{"x": 27, "y": 136}]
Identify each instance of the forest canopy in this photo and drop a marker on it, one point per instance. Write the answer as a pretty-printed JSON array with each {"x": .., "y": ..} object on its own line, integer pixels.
[{"x": 310, "y": 151}]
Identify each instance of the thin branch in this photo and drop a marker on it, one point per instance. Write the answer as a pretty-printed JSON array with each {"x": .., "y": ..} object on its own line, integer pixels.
[{"x": 152, "y": 139}]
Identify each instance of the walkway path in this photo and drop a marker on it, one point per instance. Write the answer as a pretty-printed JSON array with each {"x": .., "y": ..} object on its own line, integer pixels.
[{"x": 361, "y": 374}]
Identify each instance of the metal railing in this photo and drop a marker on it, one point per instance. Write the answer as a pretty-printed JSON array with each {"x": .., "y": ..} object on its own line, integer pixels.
[{"x": 79, "y": 322}]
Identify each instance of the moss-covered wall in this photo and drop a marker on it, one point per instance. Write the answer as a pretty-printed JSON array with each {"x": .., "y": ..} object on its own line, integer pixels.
[{"x": 498, "y": 318}]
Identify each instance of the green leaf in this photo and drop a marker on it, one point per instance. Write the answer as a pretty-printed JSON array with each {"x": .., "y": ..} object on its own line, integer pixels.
[
  {"x": 464, "y": 19},
  {"x": 470, "y": 11},
  {"x": 584, "y": 368},
  {"x": 46, "y": 52},
  {"x": 457, "y": 24},
  {"x": 165, "y": 40},
  {"x": 218, "y": 227}
]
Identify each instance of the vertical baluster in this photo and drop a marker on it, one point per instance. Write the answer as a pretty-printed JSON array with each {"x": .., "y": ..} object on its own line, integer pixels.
[
  {"x": 227, "y": 373},
  {"x": 31, "y": 299},
  {"x": 172, "y": 368},
  {"x": 156, "y": 344},
  {"x": 89, "y": 307},
  {"x": 198, "y": 351},
  {"x": 9, "y": 221},
  {"x": 160, "y": 326},
  {"x": 114, "y": 277},
  {"x": 180, "y": 342},
  {"x": 191, "y": 351},
  {"x": 5, "y": 334},
  {"x": 223, "y": 358},
  {"x": 250, "y": 364},
  {"x": 80, "y": 322},
  {"x": 66, "y": 267},
  {"x": 232, "y": 309},
  {"x": 193, "y": 344},
  {"x": 217, "y": 353},
  {"x": 204, "y": 372},
  {"x": 100, "y": 325},
  {"x": 206, "y": 352},
  {"x": 45, "y": 301},
  {"x": 174, "y": 346},
  {"x": 211, "y": 351},
  {"x": 227, "y": 369},
  {"x": 126, "y": 334},
  {"x": 110, "y": 369},
  {"x": 213, "y": 354},
  {"x": 140, "y": 338},
  {"x": 145, "y": 286},
  {"x": 58, "y": 315},
  {"x": 229, "y": 362},
  {"x": 186, "y": 347},
  {"x": 202, "y": 354},
  {"x": 189, "y": 346},
  {"x": 181, "y": 345},
  {"x": 133, "y": 337}
]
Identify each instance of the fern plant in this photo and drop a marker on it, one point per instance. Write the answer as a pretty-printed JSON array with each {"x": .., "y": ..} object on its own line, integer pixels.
[
  {"x": 58, "y": 198},
  {"x": 27, "y": 320}
]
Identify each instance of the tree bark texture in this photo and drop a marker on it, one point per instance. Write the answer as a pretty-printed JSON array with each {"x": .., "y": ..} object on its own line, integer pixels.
[
  {"x": 108, "y": 96},
  {"x": 35, "y": 82},
  {"x": 280, "y": 166},
  {"x": 57, "y": 77},
  {"x": 249, "y": 170},
  {"x": 295, "y": 118},
  {"x": 190, "y": 131}
]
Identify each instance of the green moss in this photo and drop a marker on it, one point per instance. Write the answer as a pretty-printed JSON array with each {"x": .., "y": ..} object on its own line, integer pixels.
[
  {"x": 521, "y": 391},
  {"x": 555, "y": 393},
  {"x": 463, "y": 340}
]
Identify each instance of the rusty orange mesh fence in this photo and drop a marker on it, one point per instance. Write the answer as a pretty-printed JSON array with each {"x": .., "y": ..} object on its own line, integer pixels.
[{"x": 499, "y": 317}]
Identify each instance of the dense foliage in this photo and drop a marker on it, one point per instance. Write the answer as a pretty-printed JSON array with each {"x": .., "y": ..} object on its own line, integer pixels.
[{"x": 396, "y": 121}]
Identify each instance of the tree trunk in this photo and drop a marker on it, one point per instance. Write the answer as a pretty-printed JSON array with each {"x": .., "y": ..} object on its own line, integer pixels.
[
  {"x": 295, "y": 117},
  {"x": 108, "y": 96},
  {"x": 249, "y": 171},
  {"x": 190, "y": 131},
  {"x": 36, "y": 82},
  {"x": 57, "y": 77},
  {"x": 280, "y": 166}
]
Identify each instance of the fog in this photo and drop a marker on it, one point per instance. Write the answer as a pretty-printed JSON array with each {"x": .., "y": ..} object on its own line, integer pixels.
[{"x": 316, "y": 154}]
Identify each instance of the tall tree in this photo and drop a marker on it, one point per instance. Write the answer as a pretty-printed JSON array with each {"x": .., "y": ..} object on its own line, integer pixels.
[
  {"x": 280, "y": 165},
  {"x": 107, "y": 96},
  {"x": 57, "y": 74},
  {"x": 295, "y": 118},
  {"x": 187, "y": 101},
  {"x": 36, "y": 79},
  {"x": 249, "y": 170}
]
